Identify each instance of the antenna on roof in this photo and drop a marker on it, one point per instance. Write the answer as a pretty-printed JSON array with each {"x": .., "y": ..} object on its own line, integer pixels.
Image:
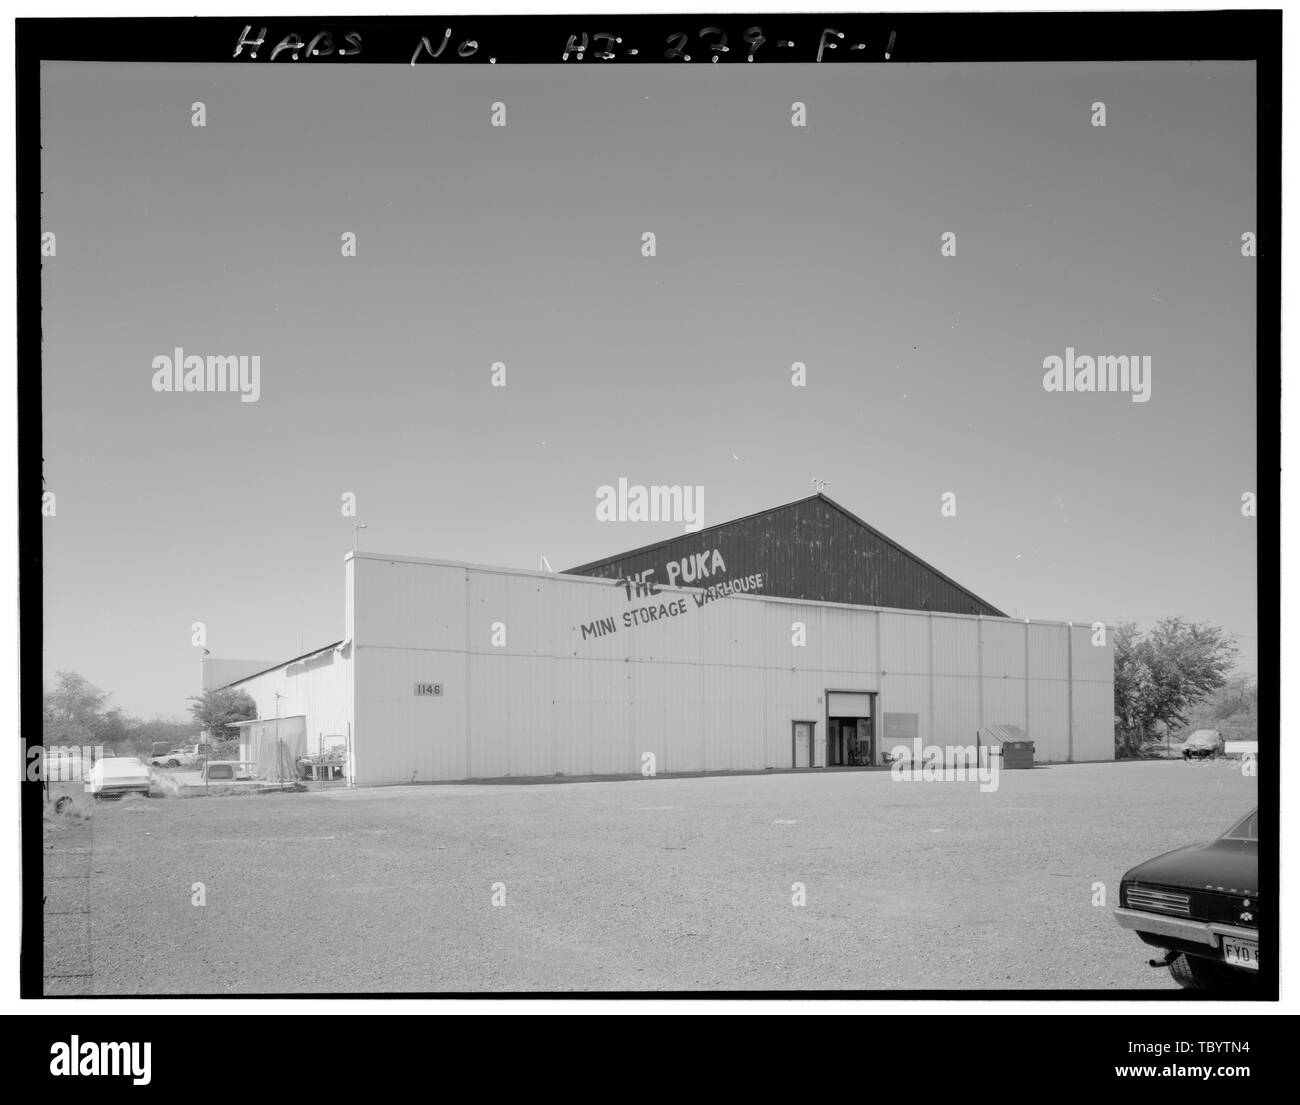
[
  {"x": 818, "y": 485},
  {"x": 545, "y": 565}
]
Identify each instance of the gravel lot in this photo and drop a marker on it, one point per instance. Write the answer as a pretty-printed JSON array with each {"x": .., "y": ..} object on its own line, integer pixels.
[{"x": 655, "y": 884}]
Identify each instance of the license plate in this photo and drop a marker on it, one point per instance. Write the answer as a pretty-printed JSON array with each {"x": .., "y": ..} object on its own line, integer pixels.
[{"x": 1241, "y": 953}]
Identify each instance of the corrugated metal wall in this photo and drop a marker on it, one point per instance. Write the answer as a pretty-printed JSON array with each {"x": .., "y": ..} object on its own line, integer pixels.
[
  {"x": 812, "y": 549},
  {"x": 543, "y": 674},
  {"x": 315, "y": 686},
  {"x": 1092, "y": 693}
]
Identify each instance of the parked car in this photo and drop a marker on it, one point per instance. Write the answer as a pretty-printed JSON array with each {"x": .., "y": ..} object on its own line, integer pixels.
[
  {"x": 1204, "y": 744},
  {"x": 117, "y": 776},
  {"x": 177, "y": 757},
  {"x": 1200, "y": 904}
]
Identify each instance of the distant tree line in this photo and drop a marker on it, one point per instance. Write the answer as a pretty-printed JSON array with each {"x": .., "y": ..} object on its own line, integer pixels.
[
  {"x": 1233, "y": 709},
  {"x": 76, "y": 712}
]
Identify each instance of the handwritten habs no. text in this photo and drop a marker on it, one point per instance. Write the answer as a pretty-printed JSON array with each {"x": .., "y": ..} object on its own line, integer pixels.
[{"x": 711, "y": 43}]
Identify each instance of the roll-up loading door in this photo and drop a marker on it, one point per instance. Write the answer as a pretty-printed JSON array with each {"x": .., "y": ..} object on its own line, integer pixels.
[{"x": 842, "y": 704}]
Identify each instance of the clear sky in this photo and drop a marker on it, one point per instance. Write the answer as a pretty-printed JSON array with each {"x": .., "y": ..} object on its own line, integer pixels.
[{"x": 522, "y": 244}]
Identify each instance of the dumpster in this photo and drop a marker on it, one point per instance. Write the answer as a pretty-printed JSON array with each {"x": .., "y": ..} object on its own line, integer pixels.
[
  {"x": 1017, "y": 754},
  {"x": 1010, "y": 742}
]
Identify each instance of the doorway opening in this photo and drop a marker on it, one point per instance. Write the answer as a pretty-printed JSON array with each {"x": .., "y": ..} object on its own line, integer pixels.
[
  {"x": 801, "y": 743},
  {"x": 850, "y": 729}
]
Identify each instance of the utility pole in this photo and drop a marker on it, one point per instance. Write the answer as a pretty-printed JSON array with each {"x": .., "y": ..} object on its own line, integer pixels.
[{"x": 279, "y": 757}]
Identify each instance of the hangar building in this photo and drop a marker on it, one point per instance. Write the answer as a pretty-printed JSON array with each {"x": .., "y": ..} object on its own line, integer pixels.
[{"x": 796, "y": 637}]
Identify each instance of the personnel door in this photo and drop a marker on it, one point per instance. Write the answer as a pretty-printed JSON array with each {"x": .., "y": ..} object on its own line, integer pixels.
[{"x": 802, "y": 741}]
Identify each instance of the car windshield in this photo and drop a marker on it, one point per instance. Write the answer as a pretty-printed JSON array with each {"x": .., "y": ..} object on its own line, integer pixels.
[{"x": 1245, "y": 829}]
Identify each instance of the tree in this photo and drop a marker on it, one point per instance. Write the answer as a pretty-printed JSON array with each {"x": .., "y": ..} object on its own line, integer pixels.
[
  {"x": 1131, "y": 675},
  {"x": 76, "y": 712},
  {"x": 174, "y": 733},
  {"x": 1161, "y": 675},
  {"x": 215, "y": 710},
  {"x": 114, "y": 728},
  {"x": 73, "y": 711}
]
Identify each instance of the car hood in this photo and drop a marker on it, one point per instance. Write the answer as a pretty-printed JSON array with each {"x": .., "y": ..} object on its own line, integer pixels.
[{"x": 1226, "y": 864}]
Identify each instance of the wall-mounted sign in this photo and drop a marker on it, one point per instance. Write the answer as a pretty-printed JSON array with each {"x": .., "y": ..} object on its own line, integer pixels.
[
  {"x": 641, "y": 584},
  {"x": 422, "y": 689},
  {"x": 899, "y": 728}
]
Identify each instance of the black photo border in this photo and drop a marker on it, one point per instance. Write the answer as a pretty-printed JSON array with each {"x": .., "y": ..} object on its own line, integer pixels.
[{"x": 1254, "y": 35}]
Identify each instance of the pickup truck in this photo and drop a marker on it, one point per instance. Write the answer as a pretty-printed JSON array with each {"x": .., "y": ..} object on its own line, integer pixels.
[
  {"x": 177, "y": 757},
  {"x": 229, "y": 771},
  {"x": 186, "y": 755}
]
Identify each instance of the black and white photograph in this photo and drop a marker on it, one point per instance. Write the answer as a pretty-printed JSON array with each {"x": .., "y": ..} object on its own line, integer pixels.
[{"x": 746, "y": 506}]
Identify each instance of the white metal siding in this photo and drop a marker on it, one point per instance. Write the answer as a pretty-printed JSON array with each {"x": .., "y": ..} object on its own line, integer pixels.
[
  {"x": 1093, "y": 693},
  {"x": 315, "y": 687},
  {"x": 956, "y": 710},
  {"x": 408, "y": 738},
  {"x": 1049, "y": 720},
  {"x": 1004, "y": 701},
  {"x": 906, "y": 640},
  {"x": 1048, "y": 651},
  {"x": 1004, "y": 648},
  {"x": 715, "y": 688},
  {"x": 904, "y": 694}
]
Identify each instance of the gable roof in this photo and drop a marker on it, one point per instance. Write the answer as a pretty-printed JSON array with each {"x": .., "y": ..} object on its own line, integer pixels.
[{"x": 595, "y": 567}]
